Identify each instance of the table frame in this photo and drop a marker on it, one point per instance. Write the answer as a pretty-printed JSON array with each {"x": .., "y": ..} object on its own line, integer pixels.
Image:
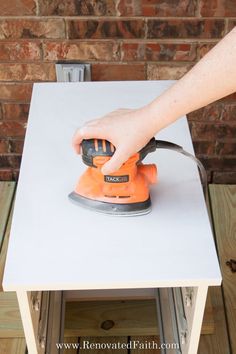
[{"x": 30, "y": 317}]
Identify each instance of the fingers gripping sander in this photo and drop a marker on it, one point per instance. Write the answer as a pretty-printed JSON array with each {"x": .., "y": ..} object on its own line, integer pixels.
[{"x": 125, "y": 192}]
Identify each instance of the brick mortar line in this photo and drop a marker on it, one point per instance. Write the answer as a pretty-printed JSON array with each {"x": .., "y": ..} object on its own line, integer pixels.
[
  {"x": 10, "y": 154},
  {"x": 117, "y": 62},
  {"x": 96, "y": 61},
  {"x": 41, "y": 50},
  {"x": 223, "y": 156},
  {"x": 133, "y": 40},
  {"x": 33, "y": 40},
  {"x": 145, "y": 28},
  {"x": 210, "y": 141},
  {"x": 18, "y": 139},
  {"x": 220, "y": 103},
  {"x": 153, "y": 40},
  {"x": 117, "y": 7},
  {"x": 207, "y": 157},
  {"x": 198, "y": 10},
  {"x": 217, "y": 123},
  {"x": 218, "y": 141},
  {"x": 112, "y": 40},
  {"x": 36, "y": 62},
  {"x": 26, "y": 82},
  {"x": 223, "y": 103},
  {"x": 118, "y": 18},
  {"x": 37, "y": 7},
  {"x": 145, "y": 71},
  {"x": 119, "y": 51},
  {"x": 223, "y": 172},
  {"x": 66, "y": 28},
  {"x": 10, "y": 83},
  {"x": 225, "y": 122},
  {"x": 226, "y": 25},
  {"x": 14, "y": 102}
]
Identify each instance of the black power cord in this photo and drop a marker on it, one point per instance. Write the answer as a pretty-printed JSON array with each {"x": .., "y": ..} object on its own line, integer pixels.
[{"x": 162, "y": 144}]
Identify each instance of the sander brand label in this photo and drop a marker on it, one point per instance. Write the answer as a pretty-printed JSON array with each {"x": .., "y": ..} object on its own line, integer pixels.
[{"x": 116, "y": 179}]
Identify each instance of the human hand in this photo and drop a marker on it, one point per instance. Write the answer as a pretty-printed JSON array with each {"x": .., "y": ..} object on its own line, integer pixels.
[{"x": 127, "y": 129}]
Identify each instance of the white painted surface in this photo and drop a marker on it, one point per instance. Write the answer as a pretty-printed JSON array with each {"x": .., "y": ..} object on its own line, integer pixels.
[{"x": 55, "y": 244}]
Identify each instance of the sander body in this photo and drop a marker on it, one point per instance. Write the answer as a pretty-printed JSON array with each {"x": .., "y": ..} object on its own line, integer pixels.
[{"x": 125, "y": 192}]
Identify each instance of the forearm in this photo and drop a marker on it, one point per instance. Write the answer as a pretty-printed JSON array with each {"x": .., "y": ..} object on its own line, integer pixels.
[{"x": 212, "y": 78}]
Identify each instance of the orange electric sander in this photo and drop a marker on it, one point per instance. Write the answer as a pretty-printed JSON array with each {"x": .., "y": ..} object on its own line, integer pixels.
[{"x": 125, "y": 192}]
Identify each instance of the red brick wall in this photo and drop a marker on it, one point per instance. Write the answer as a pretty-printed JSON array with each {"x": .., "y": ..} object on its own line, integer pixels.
[{"x": 124, "y": 40}]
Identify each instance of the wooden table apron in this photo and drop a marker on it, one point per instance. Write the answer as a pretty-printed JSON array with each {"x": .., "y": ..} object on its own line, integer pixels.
[{"x": 56, "y": 245}]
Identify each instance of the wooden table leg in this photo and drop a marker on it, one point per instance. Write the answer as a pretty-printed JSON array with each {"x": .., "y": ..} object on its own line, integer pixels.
[
  {"x": 42, "y": 315},
  {"x": 198, "y": 312},
  {"x": 28, "y": 321}
]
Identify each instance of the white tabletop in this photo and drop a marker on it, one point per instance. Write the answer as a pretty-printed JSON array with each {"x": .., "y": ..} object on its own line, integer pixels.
[{"x": 56, "y": 245}]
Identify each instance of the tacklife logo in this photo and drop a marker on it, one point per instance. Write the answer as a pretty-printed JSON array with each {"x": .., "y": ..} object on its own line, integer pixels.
[{"x": 116, "y": 179}]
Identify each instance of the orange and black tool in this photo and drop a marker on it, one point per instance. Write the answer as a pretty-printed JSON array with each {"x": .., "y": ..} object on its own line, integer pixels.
[{"x": 125, "y": 192}]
